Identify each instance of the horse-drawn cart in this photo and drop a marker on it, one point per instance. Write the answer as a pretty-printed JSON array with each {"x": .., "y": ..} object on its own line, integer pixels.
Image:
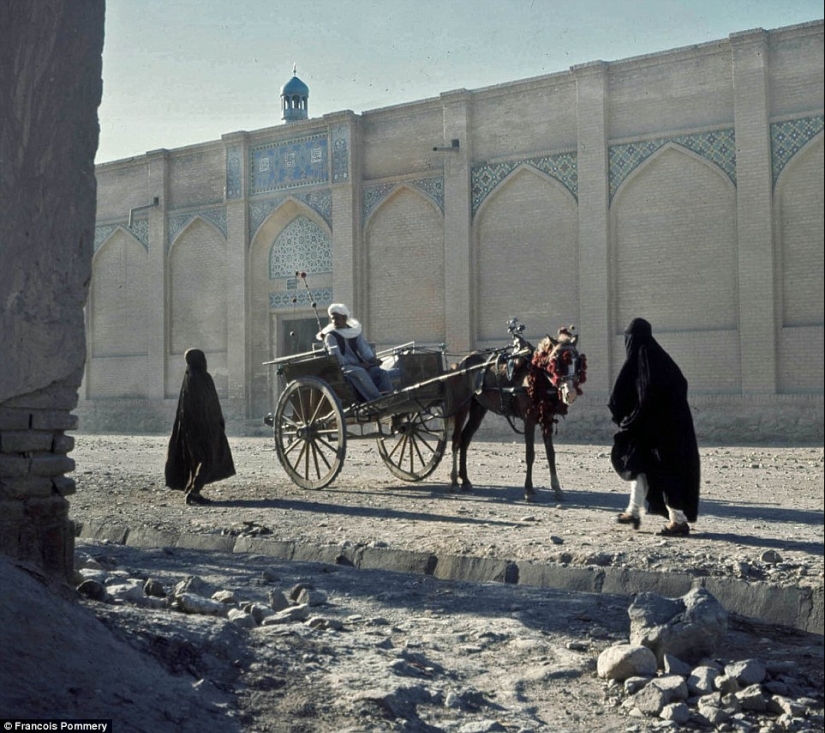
[{"x": 317, "y": 412}]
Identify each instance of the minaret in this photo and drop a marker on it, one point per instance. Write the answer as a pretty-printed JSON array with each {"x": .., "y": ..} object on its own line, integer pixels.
[{"x": 294, "y": 99}]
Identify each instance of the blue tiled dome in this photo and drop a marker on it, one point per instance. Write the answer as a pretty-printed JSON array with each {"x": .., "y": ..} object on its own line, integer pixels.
[{"x": 295, "y": 86}]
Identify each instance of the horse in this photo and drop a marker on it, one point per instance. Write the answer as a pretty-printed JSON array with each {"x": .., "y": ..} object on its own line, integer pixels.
[{"x": 533, "y": 384}]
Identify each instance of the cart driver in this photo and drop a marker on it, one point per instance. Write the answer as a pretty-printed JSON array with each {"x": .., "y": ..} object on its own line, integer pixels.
[{"x": 343, "y": 337}]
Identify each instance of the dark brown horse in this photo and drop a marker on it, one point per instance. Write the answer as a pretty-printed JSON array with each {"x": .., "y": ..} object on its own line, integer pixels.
[{"x": 532, "y": 384}]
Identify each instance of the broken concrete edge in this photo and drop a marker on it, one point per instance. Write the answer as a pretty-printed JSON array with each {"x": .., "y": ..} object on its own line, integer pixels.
[{"x": 796, "y": 608}]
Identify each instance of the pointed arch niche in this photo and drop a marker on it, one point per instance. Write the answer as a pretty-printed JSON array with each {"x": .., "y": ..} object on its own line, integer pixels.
[
  {"x": 118, "y": 317},
  {"x": 292, "y": 238},
  {"x": 197, "y": 300},
  {"x": 798, "y": 206},
  {"x": 674, "y": 252},
  {"x": 405, "y": 265},
  {"x": 526, "y": 242}
]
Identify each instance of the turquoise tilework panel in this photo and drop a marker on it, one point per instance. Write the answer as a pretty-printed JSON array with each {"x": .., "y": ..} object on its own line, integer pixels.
[
  {"x": 319, "y": 201},
  {"x": 102, "y": 233},
  {"x": 788, "y": 137},
  {"x": 718, "y": 146},
  {"x": 177, "y": 222},
  {"x": 139, "y": 230},
  {"x": 301, "y": 247},
  {"x": 295, "y": 298},
  {"x": 561, "y": 166},
  {"x": 288, "y": 164},
  {"x": 340, "y": 154},
  {"x": 432, "y": 187},
  {"x": 233, "y": 172}
]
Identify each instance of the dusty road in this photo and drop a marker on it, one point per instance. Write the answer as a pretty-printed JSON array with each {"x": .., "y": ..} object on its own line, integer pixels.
[
  {"x": 391, "y": 651},
  {"x": 754, "y": 499}
]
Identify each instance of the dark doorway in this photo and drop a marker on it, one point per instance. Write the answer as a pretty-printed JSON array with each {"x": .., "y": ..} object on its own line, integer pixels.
[{"x": 298, "y": 336}]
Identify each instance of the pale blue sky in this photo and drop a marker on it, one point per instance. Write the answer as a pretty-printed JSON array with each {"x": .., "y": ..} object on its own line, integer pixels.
[{"x": 179, "y": 72}]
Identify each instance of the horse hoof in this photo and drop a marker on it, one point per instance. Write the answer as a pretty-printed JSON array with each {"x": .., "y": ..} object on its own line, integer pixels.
[
  {"x": 529, "y": 498},
  {"x": 467, "y": 486},
  {"x": 559, "y": 494}
]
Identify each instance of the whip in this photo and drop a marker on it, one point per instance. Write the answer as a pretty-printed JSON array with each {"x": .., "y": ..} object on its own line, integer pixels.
[{"x": 303, "y": 276}]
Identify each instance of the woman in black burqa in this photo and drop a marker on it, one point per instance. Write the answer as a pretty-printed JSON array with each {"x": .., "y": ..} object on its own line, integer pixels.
[
  {"x": 655, "y": 447},
  {"x": 198, "y": 451}
]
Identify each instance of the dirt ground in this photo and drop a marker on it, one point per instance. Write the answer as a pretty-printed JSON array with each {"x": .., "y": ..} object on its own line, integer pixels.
[
  {"x": 753, "y": 499},
  {"x": 412, "y": 653}
]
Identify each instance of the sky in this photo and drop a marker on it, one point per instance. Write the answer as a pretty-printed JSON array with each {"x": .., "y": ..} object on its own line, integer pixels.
[{"x": 180, "y": 72}]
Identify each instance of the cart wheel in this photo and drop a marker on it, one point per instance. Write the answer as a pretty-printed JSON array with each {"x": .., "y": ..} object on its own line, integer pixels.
[
  {"x": 310, "y": 433},
  {"x": 412, "y": 444}
]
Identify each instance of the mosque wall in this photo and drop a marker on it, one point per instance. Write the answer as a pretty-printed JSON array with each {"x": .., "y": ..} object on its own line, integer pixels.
[
  {"x": 196, "y": 176},
  {"x": 684, "y": 186}
]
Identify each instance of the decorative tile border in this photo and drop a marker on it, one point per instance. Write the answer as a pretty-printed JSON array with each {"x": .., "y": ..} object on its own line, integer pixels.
[
  {"x": 234, "y": 179},
  {"x": 718, "y": 146},
  {"x": 432, "y": 187},
  {"x": 319, "y": 201},
  {"x": 139, "y": 230},
  {"x": 301, "y": 247},
  {"x": 296, "y": 298},
  {"x": 288, "y": 164},
  {"x": 340, "y": 154},
  {"x": 788, "y": 138},
  {"x": 177, "y": 222},
  {"x": 561, "y": 166}
]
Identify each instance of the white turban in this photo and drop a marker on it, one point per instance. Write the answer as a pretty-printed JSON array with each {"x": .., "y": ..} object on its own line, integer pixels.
[{"x": 338, "y": 308}]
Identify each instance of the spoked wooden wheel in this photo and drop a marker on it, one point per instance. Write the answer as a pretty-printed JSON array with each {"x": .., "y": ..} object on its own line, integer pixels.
[
  {"x": 310, "y": 433},
  {"x": 412, "y": 444}
]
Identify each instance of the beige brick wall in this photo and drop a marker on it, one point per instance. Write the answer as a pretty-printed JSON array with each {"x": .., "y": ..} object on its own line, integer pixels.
[
  {"x": 118, "y": 299},
  {"x": 402, "y": 141},
  {"x": 196, "y": 176},
  {"x": 197, "y": 290},
  {"x": 800, "y": 202},
  {"x": 679, "y": 90},
  {"x": 674, "y": 261},
  {"x": 728, "y": 272},
  {"x": 529, "y": 116},
  {"x": 405, "y": 265},
  {"x": 526, "y": 259}
]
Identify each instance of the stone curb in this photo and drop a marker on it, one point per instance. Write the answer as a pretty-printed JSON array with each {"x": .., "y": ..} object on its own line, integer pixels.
[{"x": 799, "y": 608}]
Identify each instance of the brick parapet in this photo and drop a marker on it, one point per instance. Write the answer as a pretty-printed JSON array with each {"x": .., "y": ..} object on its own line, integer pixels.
[{"x": 34, "y": 524}]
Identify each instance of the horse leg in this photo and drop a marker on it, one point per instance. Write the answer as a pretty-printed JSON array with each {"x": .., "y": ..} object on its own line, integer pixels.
[
  {"x": 551, "y": 462},
  {"x": 455, "y": 443},
  {"x": 476, "y": 415},
  {"x": 530, "y": 457}
]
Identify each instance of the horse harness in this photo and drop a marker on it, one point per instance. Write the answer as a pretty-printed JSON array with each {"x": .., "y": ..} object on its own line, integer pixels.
[{"x": 507, "y": 392}]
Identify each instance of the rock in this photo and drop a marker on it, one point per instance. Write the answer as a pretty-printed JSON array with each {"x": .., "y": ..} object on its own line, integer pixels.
[
  {"x": 674, "y": 665},
  {"x": 675, "y": 712},
  {"x": 771, "y": 557},
  {"x": 622, "y": 661},
  {"x": 689, "y": 627},
  {"x": 93, "y": 589},
  {"x": 277, "y": 600},
  {"x": 241, "y": 618},
  {"x": 701, "y": 680},
  {"x": 131, "y": 591},
  {"x": 673, "y": 686},
  {"x": 192, "y": 603},
  {"x": 154, "y": 589},
  {"x": 311, "y": 597},
  {"x": 193, "y": 585},
  {"x": 751, "y": 698},
  {"x": 224, "y": 596},
  {"x": 287, "y": 616},
  {"x": 746, "y": 672}
]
